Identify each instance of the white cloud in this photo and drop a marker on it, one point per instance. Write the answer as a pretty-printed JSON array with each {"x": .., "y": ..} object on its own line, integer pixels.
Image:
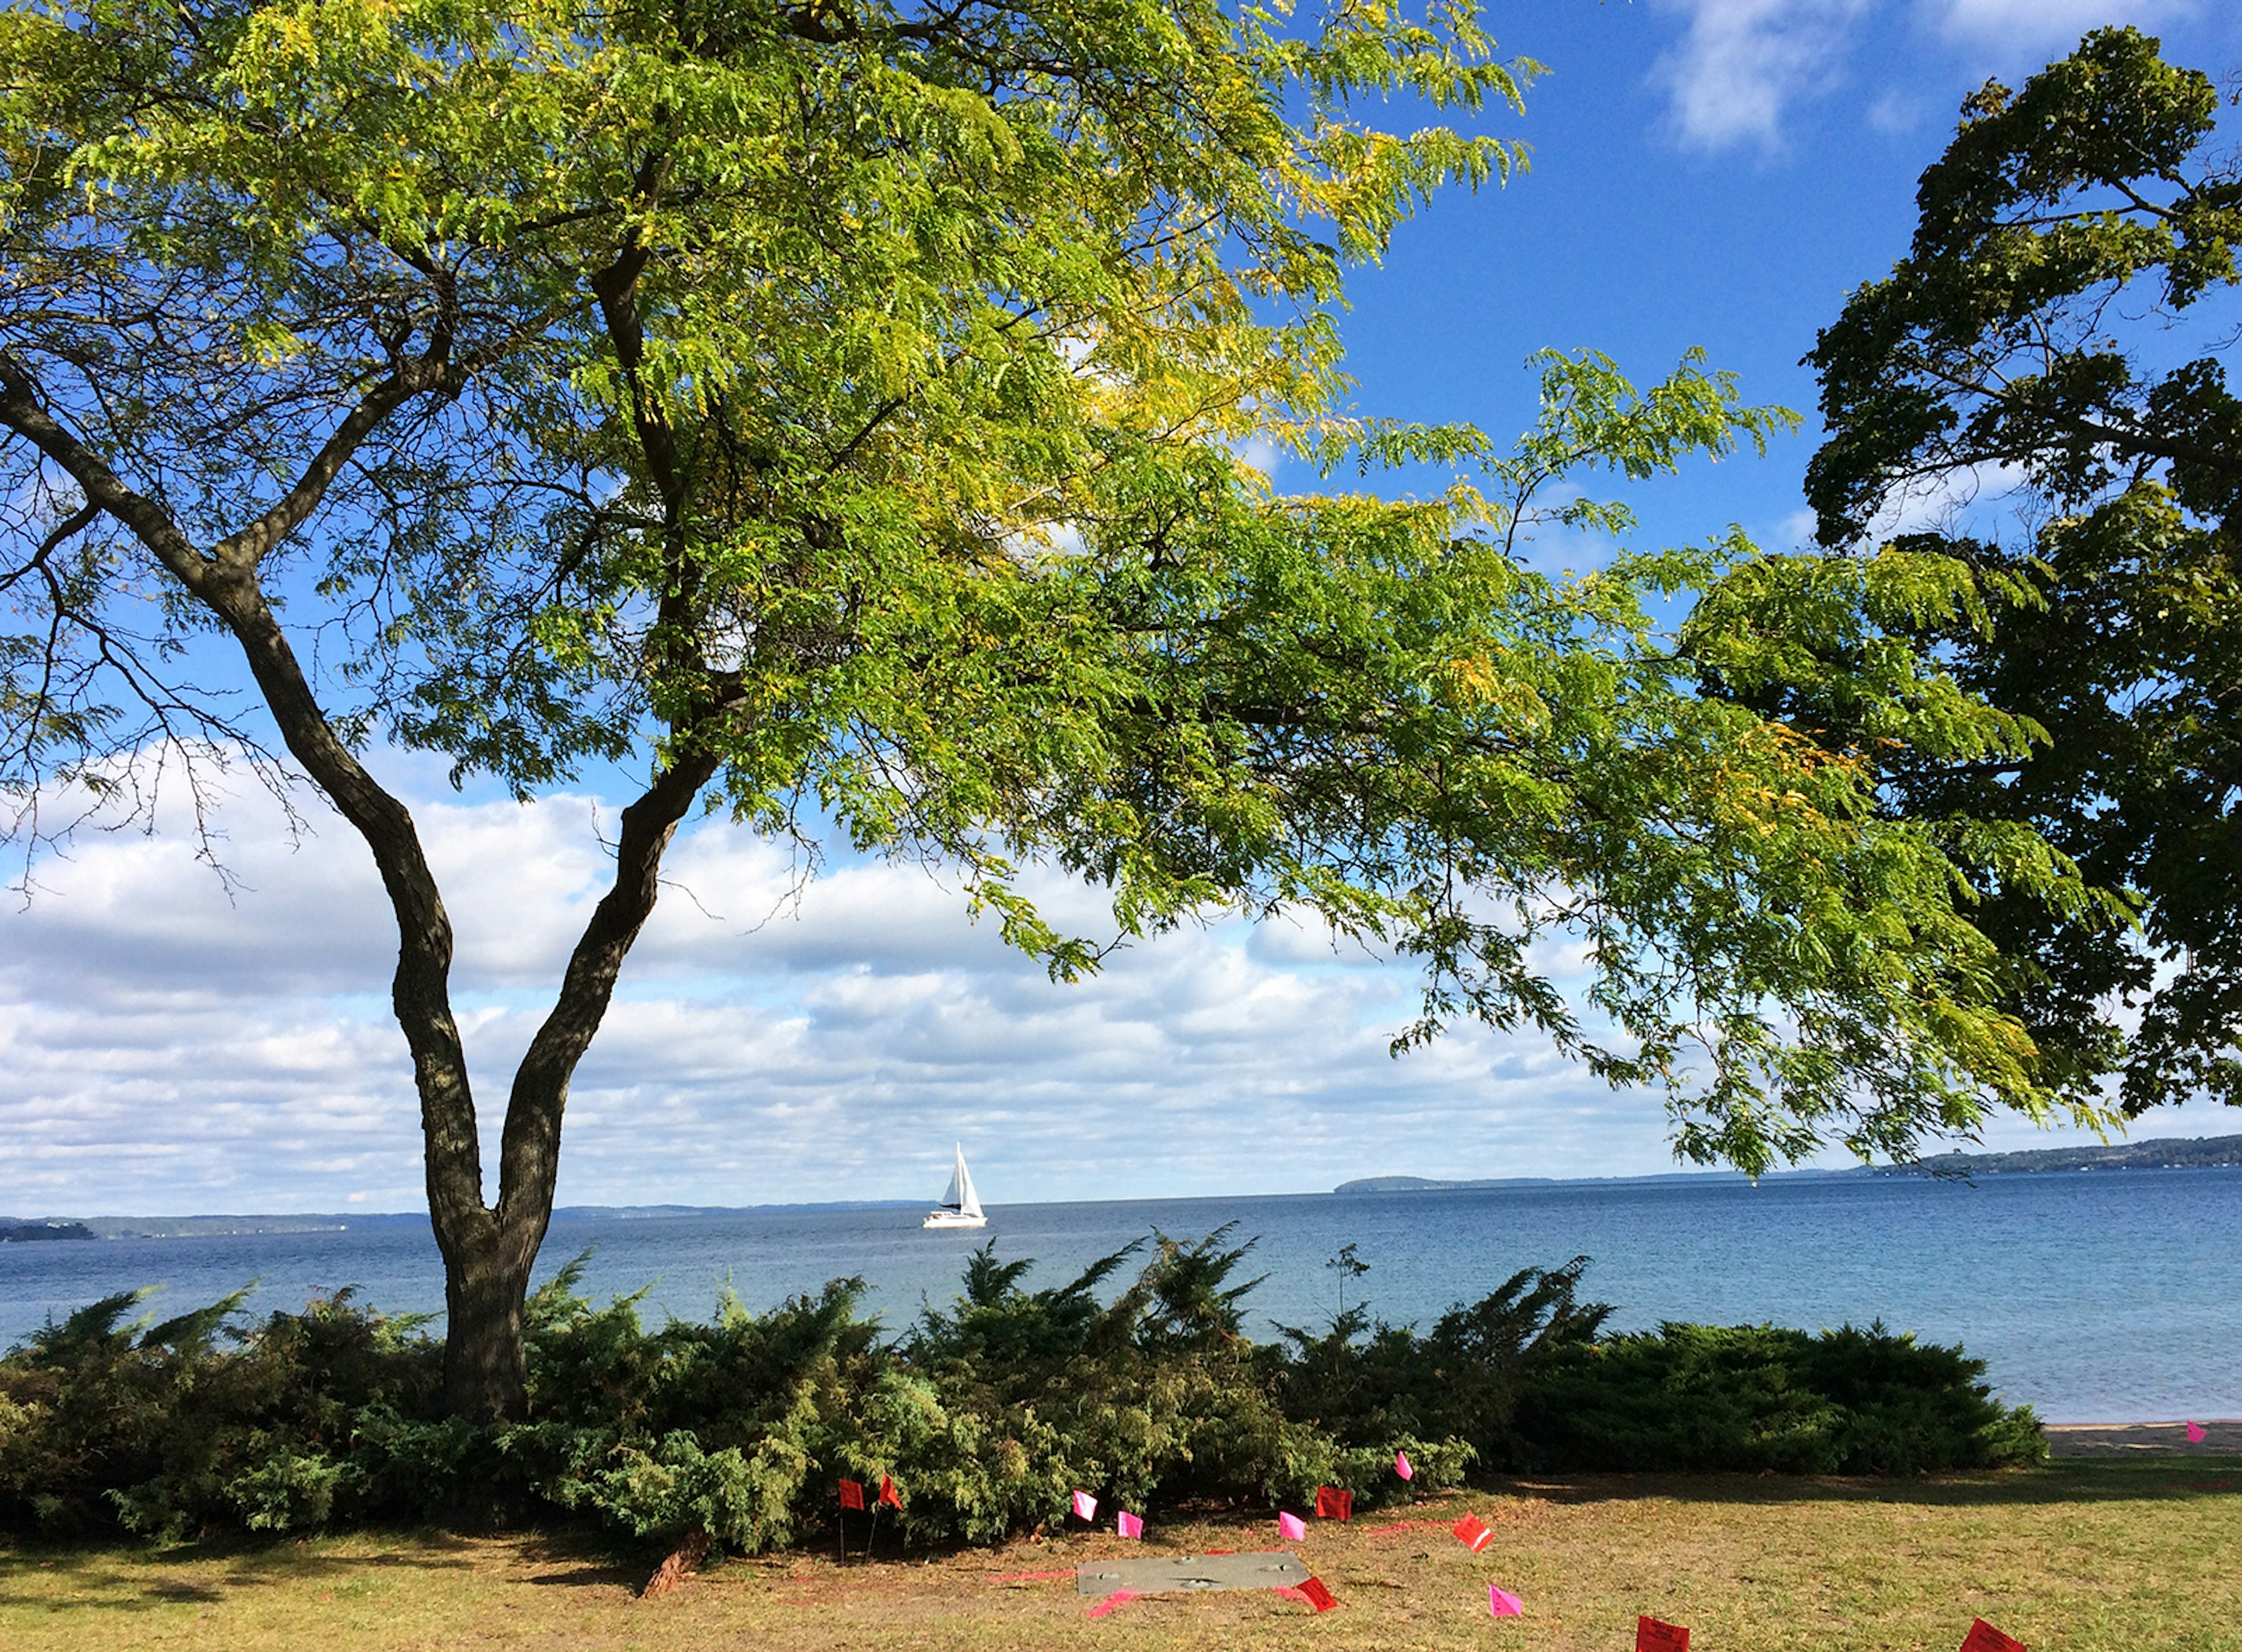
[
  {"x": 1744, "y": 64},
  {"x": 2016, "y": 25},
  {"x": 167, "y": 1050},
  {"x": 1972, "y": 498},
  {"x": 1743, "y": 67}
]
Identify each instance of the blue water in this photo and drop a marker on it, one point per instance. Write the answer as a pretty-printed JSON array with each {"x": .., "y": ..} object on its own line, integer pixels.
[{"x": 2097, "y": 1296}]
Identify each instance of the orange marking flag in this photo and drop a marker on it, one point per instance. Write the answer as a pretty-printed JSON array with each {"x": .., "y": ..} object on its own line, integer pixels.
[
  {"x": 1983, "y": 1637},
  {"x": 1317, "y": 1596},
  {"x": 852, "y": 1494},
  {"x": 1334, "y": 1504},
  {"x": 1472, "y": 1532},
  {"x": 887, "y": 1493},
  {"x": 1651, "y": 1635}
]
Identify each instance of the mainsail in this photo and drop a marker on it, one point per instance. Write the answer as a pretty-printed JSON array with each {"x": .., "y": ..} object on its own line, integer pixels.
[{"x": 960, "y": 1196}]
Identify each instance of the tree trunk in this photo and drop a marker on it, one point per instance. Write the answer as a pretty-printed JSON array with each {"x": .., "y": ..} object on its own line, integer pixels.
[{"x": 485, "y": 1284}]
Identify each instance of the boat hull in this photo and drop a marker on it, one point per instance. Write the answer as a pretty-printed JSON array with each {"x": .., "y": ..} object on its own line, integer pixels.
[{"x": 953, "y": 1219}]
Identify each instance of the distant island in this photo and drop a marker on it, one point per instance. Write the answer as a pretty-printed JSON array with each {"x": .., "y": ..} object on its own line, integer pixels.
[
  {"x": 25, "y": 1232},
  {"x": 2172, "y": 1153}
]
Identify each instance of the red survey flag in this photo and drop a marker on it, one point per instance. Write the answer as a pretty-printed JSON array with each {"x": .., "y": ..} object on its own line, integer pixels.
[
  {"x": 887, "y": 1493},
  {"x": 1472, "y": 1532},
  {"x": 852, "y": 1494},
  {"x": 1651, "y": 1635},
  {"x": 1317, "y": 1596},
  {"x": 1983, "y": 1637},
  {"x": 1332, "y": 1503}
]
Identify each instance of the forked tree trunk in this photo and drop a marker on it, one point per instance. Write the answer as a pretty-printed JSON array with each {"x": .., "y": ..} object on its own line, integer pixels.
[{"x": 488, "y": 1251}]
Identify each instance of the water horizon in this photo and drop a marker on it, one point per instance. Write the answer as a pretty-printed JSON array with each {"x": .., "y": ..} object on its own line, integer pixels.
[{"x": 2096, "y": 1296}]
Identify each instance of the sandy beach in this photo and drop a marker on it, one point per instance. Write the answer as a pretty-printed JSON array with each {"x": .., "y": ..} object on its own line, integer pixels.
[{"x": 2222, "y": 1437}]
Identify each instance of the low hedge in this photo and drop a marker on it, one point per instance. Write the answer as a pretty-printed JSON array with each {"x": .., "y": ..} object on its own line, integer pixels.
[{"x": 987, "y": 1413}]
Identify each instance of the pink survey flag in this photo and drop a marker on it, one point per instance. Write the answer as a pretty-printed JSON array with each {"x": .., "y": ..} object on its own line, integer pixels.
[
  {"x": 1292, "y": 1526},
  {"x": 1128, "y": 1525},
  {"x": 1502, "y": 1603},
  {"x": 2195, "y": 1434},
  {"x": 1401, "y": 1465},
  {"x": 1086, "y": 1506}
]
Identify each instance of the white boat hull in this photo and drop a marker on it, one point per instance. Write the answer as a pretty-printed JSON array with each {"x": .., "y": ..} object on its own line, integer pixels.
[{"x": 953, "y": 1219}]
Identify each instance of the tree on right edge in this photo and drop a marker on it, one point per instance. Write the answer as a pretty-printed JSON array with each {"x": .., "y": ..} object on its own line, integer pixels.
[{"x": 2059, "y": 327}]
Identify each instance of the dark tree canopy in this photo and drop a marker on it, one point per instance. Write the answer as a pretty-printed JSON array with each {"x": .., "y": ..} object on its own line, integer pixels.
[{"x": 2062, "y": 325}]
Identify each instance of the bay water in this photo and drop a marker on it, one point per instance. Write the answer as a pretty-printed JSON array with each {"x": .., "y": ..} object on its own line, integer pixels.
[{"x": 2096, "y": 1296}]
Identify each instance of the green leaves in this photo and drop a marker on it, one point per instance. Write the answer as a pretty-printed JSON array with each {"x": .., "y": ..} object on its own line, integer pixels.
[
  {"x": 835, "y": 412},
  {"x": 2077, "y": 243}
]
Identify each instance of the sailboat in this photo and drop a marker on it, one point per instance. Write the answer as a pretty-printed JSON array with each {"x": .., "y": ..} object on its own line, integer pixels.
[{"x": 961, "y": 1206}]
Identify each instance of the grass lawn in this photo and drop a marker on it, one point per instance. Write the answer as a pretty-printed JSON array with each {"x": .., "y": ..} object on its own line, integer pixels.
[{"x": 2084, "y": 1556}]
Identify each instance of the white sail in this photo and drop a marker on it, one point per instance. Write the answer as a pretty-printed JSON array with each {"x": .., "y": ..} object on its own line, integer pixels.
[
  {"x": 961, "y": 1187},
  {"x": 961, "y": 1206}
]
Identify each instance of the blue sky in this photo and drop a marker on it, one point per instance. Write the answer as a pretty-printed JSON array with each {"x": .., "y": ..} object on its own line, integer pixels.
[{"x": 1713, "y": 172}]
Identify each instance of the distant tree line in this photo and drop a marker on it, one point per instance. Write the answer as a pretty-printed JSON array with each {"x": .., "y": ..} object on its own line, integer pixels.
[{"x": 2199, "y": 1152}]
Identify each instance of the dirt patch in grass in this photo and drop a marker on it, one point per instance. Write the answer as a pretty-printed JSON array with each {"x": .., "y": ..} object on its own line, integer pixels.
[{"x": 2083, "y": 1557}]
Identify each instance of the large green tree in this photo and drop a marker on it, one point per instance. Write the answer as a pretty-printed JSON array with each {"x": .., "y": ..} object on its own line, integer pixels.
[
  {"x": 2058, "y": 334},
  {"x": 829, "y": 413}
]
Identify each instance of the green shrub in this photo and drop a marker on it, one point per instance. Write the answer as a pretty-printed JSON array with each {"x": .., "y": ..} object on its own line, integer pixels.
[
  {"x": 162, "y": 1430},
  {"x": 1366, "y": 1382},
  {"x": 1755, "y": 1398},
  {"x": 987, "y": 1413}
]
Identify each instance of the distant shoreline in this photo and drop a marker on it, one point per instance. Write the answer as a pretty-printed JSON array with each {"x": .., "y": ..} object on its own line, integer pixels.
[
  {"x": 2199, "y": 1152},
  {"x": 2206, "y": 1152},
  {"x": 219, "y": 1226}
]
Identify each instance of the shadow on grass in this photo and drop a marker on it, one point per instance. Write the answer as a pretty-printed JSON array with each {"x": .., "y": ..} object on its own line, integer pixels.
[
  {"x": 581, "y": 1560},
  {"x": 112, "y": 1579},
  {"x": 2070, "y": 1481}
]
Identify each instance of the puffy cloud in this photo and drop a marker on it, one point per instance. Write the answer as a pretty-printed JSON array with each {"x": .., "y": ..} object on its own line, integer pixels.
[
  {"x": 1742, "y": 65},
  {"x": 168, "y": 1050},
  {"x": 171, "y": 1047}
]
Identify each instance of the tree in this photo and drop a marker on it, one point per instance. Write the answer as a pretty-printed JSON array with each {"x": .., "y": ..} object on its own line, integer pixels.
[
  {"x": 829, "y": 413},
  {"x": 2076, "y": 250}
]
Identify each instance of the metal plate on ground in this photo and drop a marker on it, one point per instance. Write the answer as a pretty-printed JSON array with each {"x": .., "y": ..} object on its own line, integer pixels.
[{"x": 1272, "y": 1569}]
